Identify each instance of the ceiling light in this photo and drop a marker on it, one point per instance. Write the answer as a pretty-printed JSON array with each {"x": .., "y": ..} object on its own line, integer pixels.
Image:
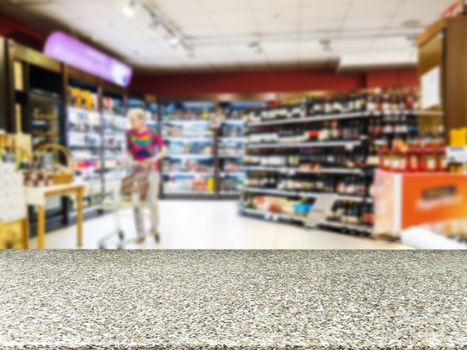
[
  {"x": 173, "y": 35},
  {"x": 377, "y": 59},
  {"x": 412, "y": 23},
  {"x": 174, "y": 41},
  {"x": 129, "y": 9}
]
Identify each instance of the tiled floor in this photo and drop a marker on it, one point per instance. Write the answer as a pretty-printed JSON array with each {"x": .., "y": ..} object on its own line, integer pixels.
[{"x": 214, "y": 225}]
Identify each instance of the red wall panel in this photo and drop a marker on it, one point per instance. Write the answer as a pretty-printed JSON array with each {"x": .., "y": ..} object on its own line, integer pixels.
[
  {"x": 247, "y": 82},
  {"x": 21, "y": 32},
  {"x": 391, "y": 78},
  {"x": 274, "y": 81}
]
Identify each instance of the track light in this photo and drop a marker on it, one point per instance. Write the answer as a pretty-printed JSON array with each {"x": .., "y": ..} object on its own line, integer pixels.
[
  {"x": 129, "y": 9},
  {"x": 326, "y": 45},
  {"x": 155, "y": 22},
  {"x": 256, "y": 47},
  {"x": 173, "y": 35}
]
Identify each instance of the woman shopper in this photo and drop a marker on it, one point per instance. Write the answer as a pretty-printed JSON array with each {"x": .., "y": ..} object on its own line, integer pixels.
[{"x": 145, "y": 148}]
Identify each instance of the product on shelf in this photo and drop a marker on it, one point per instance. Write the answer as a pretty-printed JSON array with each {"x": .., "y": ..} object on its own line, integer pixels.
[
  {"x": 352, "y": 213},
  {"x": 83, "y": 99},
  {"x": 277, "y": 112},
  {"x": 186, "y": 184},
  {"x": 425, "y": 156},
  {"x": 278, "y": 205},
  {"x": 44, "y": 117},
  {"x": 12, "y": 204}
]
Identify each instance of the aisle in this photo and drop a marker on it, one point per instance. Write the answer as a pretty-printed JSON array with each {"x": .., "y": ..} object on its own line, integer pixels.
[{"x": 215, "y": 225}]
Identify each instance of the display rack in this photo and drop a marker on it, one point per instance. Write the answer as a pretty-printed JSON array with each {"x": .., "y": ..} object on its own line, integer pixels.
[
  {"x": 114, "y": 127},
  {"x": 206, "y": 147},
  {"x": 325, "y": 147},
  {"x": 189, "y": 168},
  {"x": 84, "y": 137},
  {"x": 231, "y": 149}
]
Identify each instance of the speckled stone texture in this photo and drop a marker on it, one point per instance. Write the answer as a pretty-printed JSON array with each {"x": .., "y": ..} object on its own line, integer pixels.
[{"x": 233, "y": 300}]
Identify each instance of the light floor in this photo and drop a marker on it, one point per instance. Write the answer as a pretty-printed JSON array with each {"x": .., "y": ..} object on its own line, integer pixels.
[{"x": 213, "y": 225}]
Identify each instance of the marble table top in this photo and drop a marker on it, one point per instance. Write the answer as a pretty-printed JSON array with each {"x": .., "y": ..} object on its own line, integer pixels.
[{"x": 233, "y": 300}]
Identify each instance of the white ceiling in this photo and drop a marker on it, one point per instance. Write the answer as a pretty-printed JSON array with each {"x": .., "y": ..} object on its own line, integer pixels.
[{"x": 289, "y": 31}]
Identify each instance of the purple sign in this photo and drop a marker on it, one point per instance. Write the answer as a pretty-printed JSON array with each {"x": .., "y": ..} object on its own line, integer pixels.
[{"x": 69, "y": 50}]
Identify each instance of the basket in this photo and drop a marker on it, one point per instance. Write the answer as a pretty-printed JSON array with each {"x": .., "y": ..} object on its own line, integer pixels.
[{"x": 62, "y": 177}]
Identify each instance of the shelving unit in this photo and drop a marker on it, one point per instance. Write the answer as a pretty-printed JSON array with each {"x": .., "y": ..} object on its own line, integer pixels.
[
  {"x": 189, "y": 168},
  {"x": 206, "y": 148},
  {"x": 84, "y": 138},
  {"x": 330, "y": 156},
  {"x": 346, "y": 144}
]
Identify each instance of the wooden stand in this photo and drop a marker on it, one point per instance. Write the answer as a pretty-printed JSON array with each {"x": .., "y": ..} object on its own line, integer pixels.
[
  {"x": 14, "y": 235},
  {"x": 443, "y": 46},
  {"x": 37, "y": 196}
]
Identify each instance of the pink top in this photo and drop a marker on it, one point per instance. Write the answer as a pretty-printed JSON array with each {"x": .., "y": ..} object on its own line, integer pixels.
[{"x": 143, "y": 145}]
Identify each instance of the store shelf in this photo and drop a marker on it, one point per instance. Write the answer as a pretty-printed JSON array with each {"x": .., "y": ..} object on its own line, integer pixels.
[
  {"x": 190, "y": 156},
  {"x": 230, "y": 193},
  {"x": 290, "y": 170},
  {"x": 328, "y": 117},
  {"x": 232, "y": 121},
  {"x": 347, "y": 227},
  {"x": 189, "y": 193},
  {"x": 232, "y": 139},
  {"x": 189, "y": 139},
  {"x": 232, "y": 173},
  {"x": 318, "y": 118},
  {"x": 231, "y": 155},
  {"x": 350, "y": 198},
  {"x": 305, "y": 144},
  {"x": 272, "y": 216},
  {"x": 186, "y": 122},
  {"x": 187, "y": 173},
  {"x": 307, "y": 194},
  {"x": 93, "y": 133},
  {"x": 281, "y": 193}
]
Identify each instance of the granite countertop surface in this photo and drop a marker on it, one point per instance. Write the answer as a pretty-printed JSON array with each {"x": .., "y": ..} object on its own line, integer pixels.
[{"x": 233, "y": 300}]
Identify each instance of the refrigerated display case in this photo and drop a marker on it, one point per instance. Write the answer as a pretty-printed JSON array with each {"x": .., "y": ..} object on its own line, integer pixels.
[
  {"x": 84, "y": 139},
  {"x": 44, "y": 117},
  {"x": 231, "y": 147},
  {"x": 189, "y": 168},
  {"x": 114, "y": 126}
]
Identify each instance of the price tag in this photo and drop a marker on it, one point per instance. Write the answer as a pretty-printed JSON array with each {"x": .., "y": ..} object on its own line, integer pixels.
[
  {"x": 349, "y": 146},
  {"x": 321, "y": 207},
  {"x": 457, "y": 154}
]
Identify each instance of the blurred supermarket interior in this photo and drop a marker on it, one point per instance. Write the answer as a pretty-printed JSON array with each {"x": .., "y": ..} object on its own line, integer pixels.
[{"x": 288, "y": 124}]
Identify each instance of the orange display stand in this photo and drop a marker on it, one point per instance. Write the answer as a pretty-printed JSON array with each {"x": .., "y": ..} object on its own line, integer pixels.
[{"x": 434, "y": 200}]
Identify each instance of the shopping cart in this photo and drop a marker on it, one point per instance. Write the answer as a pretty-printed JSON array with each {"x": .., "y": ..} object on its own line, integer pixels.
[{"x": 118, "y": 206}]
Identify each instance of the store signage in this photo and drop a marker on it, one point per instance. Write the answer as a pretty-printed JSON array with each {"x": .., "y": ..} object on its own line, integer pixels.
[{"x": 75, "y": 53}]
